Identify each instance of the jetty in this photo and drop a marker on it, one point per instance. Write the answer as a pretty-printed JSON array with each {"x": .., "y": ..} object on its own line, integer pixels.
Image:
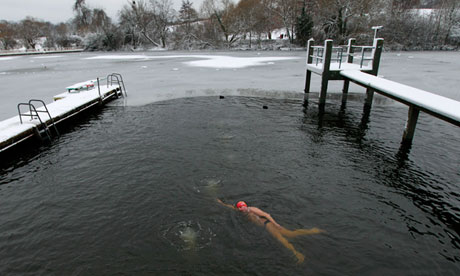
[
  {"x": 360, "y": 64},
  {"x": 38, "y": 120}
]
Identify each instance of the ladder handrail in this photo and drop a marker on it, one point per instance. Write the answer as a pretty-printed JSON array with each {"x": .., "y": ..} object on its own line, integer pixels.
[
  {"x": 24, "y": 114},
  {"x": 122, "y": 82},
  {"x": 31, "y": 110},
  {"x": 110, "y": 79},
  {"x": 119, "y": 79},
  {"x": 47, "y": 112}
]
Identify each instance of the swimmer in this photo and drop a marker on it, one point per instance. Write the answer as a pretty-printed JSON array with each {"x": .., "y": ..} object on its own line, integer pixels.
[{"x": 265, "y": 220}]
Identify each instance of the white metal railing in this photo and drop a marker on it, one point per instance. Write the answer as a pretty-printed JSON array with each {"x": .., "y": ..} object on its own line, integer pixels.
[{"x": 341, "y": 54}]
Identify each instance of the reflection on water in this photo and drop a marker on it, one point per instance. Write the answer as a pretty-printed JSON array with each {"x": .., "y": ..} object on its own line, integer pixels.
[{"x": 133, "y": 191}]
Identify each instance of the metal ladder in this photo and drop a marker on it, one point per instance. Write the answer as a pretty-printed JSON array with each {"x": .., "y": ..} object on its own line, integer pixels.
[
  {"x": 118, "y": 79},
  {"x": 42, "y": 129}
]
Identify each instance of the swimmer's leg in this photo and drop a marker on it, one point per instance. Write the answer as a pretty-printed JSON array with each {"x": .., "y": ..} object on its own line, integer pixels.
[
  {"x": 299, "y": 232},
  {"x": 275, "y": 232}
]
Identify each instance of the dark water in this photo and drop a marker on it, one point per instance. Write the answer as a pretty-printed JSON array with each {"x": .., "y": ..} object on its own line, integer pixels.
[{"x": 132, "y": 190}]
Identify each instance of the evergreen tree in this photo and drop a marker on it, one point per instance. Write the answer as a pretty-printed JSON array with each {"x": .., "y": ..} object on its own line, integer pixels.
[{"x": 304, "y": 27}]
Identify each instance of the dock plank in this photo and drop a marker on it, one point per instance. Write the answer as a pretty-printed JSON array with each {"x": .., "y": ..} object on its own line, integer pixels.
[{"x": 436, "y": 105}]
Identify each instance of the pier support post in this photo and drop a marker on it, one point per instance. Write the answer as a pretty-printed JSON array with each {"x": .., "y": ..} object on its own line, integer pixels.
[
  {"x": 309, "y": 60},
  {"x": 350, "y": 51},
  {"x": 343, "y": 106},
  {"x": 346, "y": 85},
  {"x": 326, "y": 66},
  {"x": 369, "y": 97},
  {"x": 410, "y": 125},
  {"x": 307, "y": 82},
  {"x": 376, "y": 54},
  {"x": 99, "y": 90}
]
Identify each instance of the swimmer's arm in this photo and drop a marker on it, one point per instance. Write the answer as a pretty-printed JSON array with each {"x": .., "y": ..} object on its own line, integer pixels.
[
  {"x": 224, "y": 204},
  {"x": 266, "y": 215}
]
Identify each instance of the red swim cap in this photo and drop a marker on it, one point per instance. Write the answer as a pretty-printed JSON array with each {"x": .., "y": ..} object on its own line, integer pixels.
[{"x": 241, "y": 204}]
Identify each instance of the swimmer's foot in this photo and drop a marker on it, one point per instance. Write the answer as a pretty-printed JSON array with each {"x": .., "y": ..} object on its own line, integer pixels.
[
  {"x": 300, "y": 232},
  {"x": 300, "y": 257},
  {"x": 308, "y": 231}
]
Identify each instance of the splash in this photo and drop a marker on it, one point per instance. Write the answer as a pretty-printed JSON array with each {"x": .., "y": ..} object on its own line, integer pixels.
[{"x": 188, "y": 236}]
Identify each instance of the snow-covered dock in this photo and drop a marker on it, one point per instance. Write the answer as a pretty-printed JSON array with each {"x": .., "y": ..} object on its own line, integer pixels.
[
  {"x": 438, "y": 106},
  {"x": 30, "y": 123},
  {"x": 322, "y": 61},
  {"x": 417, "y": 99}
]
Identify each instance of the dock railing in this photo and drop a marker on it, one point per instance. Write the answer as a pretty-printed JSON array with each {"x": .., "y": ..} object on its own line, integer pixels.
[
  {"x": 328, "y": 61},
  {"x": 342, "y": 53}
]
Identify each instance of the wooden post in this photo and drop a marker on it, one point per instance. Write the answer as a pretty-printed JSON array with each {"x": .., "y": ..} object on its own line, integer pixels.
[
  {"x": 305, "y": 102},
  {"x": 364, "y": 124},
  {"x": 376, "y": 54},
  {"x": 410, "y": 125},
  {"x": 346, "y": 85},
  {"x": 99, "y": 90},
  {"x": 309, "y": 60},
  {"x": 343, "y": 106},
  {"x": 350, "y": 51},
  {"x": 326, "y": 66},
  {"x": 369, "y": 97}
]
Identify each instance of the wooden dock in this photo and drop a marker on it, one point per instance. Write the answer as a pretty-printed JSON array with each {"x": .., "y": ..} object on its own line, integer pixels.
[
  {"x": 418, "y": 100},
  {"x": 339, "y": 63},
  {"x": 33, "y": 121}
]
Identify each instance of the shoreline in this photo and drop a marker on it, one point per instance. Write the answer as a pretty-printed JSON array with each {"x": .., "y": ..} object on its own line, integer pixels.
[
  {"x": 40, "y": 52},
  {"x": 284, "y": 49}
]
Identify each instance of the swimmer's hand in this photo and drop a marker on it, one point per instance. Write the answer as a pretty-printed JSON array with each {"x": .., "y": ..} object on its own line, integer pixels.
[
  {"x": 224, "y": 204},
  {"x": 317, "y": 231}
]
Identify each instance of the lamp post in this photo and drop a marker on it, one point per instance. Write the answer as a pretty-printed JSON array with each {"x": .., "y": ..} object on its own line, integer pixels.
[{"x": 376, "y": 29}]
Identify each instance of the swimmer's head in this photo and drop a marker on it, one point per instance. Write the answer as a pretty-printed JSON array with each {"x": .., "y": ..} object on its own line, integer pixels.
[{"x": 241, "y": 206}]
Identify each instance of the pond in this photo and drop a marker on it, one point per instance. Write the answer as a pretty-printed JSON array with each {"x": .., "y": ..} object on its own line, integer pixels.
[{"x": 133, "y": 189}]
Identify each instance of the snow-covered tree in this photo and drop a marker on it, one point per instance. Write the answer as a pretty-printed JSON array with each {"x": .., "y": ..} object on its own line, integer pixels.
[{"x": 163, "y": 15}]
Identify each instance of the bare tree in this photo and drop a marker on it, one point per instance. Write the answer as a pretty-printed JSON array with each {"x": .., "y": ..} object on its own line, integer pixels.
[
  {"x": 249, "y": 13},
  {"x": 63, "y": 35},
  {"x": 100, "y": 22},
  {"x": 450, "y": 14},
  {"x": 83, "y": 16},
  {"x": 185, "y": 32},
  {"x": 210, "y": 30},
  {"x": 287, "y": 11},
  {"x": 187, "y": 15},
  {"x": 7, "y": 35},
  {"x": 339, "y": 19},
  {"x": 30, "y": 30},
  {"x": 223, "y": 14},
  {"x": 163, "y": 14},
  {"x": 138, "y": 20}
]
